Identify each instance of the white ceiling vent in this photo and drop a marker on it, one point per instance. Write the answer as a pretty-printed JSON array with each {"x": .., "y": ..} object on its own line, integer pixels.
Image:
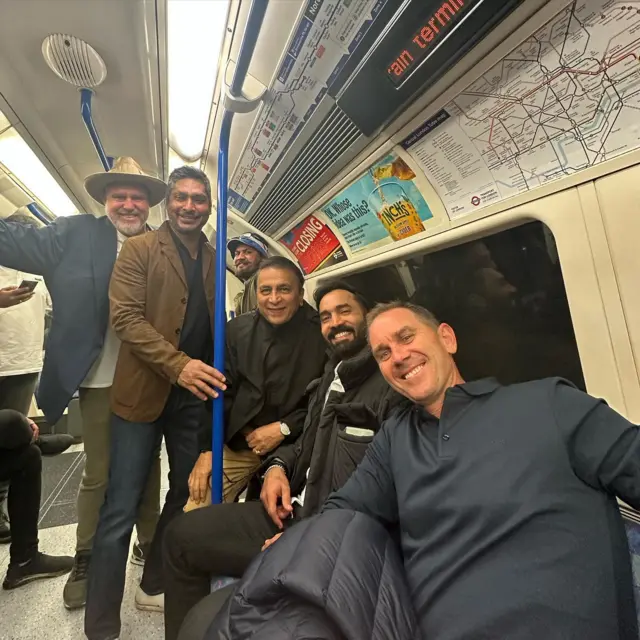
[{"x": 74, "y": 60}]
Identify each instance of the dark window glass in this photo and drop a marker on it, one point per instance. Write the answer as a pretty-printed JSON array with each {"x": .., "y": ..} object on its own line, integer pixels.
[{"x": 503, "y": 294}]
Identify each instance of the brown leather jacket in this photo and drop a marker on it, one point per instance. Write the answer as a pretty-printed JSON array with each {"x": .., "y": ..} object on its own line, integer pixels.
[{"x": 148, "y": 299}]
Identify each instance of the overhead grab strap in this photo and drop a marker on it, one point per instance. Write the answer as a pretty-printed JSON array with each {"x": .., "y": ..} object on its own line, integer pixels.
[{"x": 234, "y": 102}]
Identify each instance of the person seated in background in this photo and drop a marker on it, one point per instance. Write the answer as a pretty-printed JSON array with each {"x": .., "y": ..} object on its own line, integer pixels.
[
  {"x": 346, "y": 408},
  {"x": 22, "y": 321},
  {"x": 247, "y": 252},
  {"x": 272, "y": 355},
  {"x": 505, "y": 497},
  {"x": 21, "y": 465},
  {"x": 75, "y": 255}
]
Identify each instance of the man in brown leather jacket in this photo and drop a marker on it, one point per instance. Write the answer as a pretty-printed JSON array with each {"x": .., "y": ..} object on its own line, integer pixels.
[{"x": 161, "y": 297}]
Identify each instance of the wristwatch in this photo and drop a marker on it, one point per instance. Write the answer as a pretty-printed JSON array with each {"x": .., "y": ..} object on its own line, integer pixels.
[{"x": 284, "y": 429}]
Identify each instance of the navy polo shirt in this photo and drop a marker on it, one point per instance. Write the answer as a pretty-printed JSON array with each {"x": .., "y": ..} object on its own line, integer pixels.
[{"x": 507, "y": 514}]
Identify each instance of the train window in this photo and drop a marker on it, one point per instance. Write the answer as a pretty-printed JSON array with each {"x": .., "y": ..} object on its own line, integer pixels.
[{"x": 503, "y": 294}]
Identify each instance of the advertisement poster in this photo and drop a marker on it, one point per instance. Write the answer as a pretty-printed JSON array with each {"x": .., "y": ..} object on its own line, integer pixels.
[
  {"x": 314, "y": 245},
  {"x": 383, "y": 203}
]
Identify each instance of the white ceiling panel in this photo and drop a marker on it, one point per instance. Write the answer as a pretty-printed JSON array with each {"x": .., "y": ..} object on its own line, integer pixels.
[{"x": 130, "y": 35}]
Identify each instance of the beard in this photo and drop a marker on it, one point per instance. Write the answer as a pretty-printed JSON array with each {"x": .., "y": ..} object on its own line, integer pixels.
[
  {"x": 348, "y": 348},
  {"x": 130, "y": 229},
  {"x": 245, "y": 271}
]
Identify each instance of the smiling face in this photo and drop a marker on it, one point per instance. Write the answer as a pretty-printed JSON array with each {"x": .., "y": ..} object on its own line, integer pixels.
[
  {"x": 246, "y": 260},
  {"x": 415, "y": 358},
  {"x": 127, "y": 206},
  {"x": 188, "y": 207},
  {"x": 279, "y": 295},
  {"x": 342, "y": 322}
]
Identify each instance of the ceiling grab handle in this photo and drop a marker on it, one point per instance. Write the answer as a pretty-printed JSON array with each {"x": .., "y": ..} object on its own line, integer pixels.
[
  {"x": 85, "y": 110},
  {"x": 251, "y": 32}
]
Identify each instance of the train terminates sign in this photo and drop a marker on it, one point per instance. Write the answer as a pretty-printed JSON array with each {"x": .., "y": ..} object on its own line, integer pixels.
[{"x": 431, "y": 32}]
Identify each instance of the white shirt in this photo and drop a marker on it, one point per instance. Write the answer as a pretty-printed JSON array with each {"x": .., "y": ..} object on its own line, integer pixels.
[
  {"x": 22, "y": 327},
  {"x": 103, "y": 369},
  {"x": 336, "y": 385}
]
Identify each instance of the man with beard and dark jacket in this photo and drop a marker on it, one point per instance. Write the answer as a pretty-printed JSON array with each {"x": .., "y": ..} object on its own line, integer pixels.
[
  {"x": 272, "y": 356},
  {"x": 346, "y": 408}
]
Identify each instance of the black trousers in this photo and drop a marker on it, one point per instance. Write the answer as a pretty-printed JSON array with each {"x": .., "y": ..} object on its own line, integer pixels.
[
  {"x": 220, "y": 540},
  {"x": 16, "y": 393},
  {"x": 21, "y": 465}
]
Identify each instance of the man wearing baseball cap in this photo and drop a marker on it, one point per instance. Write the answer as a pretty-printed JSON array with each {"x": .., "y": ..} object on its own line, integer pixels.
[{"x": 247, "y": 251}]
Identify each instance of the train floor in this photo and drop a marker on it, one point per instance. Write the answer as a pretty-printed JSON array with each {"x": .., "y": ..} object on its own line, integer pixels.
[{"x": 35, "y": 611}]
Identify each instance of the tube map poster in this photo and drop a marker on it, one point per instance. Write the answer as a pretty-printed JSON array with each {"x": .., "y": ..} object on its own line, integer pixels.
[
  {"x": 314, "y": 245},
  {"x": 383, "y": 203},
  {"x": 566, "y": 99}
]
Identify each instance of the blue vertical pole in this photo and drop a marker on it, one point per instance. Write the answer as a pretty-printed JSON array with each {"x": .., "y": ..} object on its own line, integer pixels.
[
  {"x": 220, "y": 319},
  {"x": 251, "y": 32}
]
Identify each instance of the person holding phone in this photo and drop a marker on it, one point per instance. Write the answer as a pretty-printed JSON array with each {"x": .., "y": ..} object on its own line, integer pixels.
[
  {"x": 12, "y": 295},
  {"x": 24, "y": 301},
  {"x": 23, "y": 305}
]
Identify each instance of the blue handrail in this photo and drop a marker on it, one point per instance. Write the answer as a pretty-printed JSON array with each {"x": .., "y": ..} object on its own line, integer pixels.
[
  {"x": 85, "y": 110},
  {"x": 252, "y": 29},
  {"x": 35, "y": 211}
]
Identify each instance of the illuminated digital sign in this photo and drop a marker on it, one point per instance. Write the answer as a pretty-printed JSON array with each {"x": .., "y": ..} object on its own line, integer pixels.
[{"x": 431, "y": 32}]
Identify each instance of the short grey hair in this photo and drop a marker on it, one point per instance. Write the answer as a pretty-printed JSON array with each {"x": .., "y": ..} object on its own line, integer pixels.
[
  {"x": 187, "y": 172},
  {"x": 423, "y": 314}
]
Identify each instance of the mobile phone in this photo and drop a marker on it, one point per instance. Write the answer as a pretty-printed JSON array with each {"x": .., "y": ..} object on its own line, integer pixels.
[{"x": 28, "y": 284}]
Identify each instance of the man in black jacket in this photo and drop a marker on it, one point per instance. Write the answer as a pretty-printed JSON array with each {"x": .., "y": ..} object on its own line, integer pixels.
[
  {"x": 272, "y": 355},
  {"x": 346, "y": 408}
]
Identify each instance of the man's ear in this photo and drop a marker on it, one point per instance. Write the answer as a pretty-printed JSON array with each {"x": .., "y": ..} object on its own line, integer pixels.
[
  {"x": 448, "y": 338},
  {"x": 301, "y": 296}
]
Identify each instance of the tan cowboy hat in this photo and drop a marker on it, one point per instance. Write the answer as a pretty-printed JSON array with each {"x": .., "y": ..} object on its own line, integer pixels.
[{"x": 125, "y": 171}]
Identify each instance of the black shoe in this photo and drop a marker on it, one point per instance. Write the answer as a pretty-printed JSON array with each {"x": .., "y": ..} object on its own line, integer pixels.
[
  {"x": 5, "y": 530},
  {"x": 39, "y": 567},
  {"x": 52, "y": 445}
]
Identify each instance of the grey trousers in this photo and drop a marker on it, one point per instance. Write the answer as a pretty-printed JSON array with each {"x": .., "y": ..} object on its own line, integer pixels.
[{"x": 96, "y": 435}]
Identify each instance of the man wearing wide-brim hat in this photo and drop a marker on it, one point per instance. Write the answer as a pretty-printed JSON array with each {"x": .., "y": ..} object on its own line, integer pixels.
[{"x": 76, "y": 257}]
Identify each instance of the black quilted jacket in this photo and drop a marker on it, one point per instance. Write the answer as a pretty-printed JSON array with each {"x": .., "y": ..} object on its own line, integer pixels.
[{"x": 335, "y": 576}]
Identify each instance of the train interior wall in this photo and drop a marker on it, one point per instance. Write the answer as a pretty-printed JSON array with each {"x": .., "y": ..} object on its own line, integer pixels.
[{"x": 544, "y": 288}]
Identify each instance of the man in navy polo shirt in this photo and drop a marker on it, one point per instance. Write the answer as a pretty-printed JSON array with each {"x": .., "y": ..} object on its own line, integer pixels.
[{"x": 505, "y": 497}]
